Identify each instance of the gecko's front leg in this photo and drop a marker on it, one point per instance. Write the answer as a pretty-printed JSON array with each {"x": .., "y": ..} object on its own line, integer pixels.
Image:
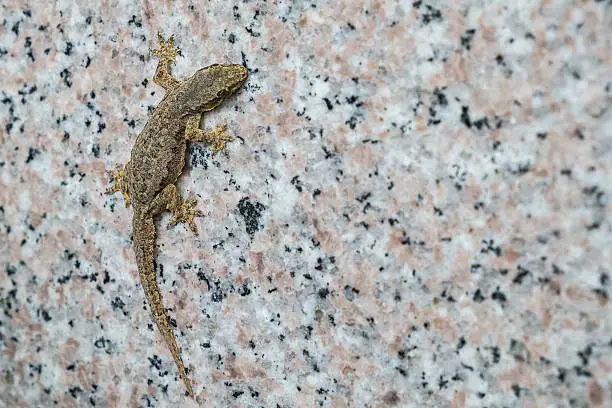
[
  {"x": 216, "y": 138},
  {"x": 167, "y": 53},
  {"x": 119, "y": 181}
]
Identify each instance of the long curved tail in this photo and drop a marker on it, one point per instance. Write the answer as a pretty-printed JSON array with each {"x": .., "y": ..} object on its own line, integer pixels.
[{"x": 144, "y": 247}]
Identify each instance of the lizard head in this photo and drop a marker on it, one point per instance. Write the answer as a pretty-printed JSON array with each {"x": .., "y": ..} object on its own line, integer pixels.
[{"x": 209, "y": 86}]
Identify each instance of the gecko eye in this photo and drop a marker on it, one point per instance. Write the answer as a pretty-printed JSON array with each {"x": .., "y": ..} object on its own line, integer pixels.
[{"x": 221, "y": 93}]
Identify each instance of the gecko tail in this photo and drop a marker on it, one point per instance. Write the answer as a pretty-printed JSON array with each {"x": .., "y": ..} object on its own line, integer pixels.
[{"x": 144, "y": 247}]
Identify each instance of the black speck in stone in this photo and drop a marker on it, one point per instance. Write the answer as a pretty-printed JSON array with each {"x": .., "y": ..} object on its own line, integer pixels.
[
  {"x": 328, "y": 104},
  {"x": 362, "y": 198},
  {"x": 95, "y": 149},
  {"x": 601, "y": 293},
  {"x": 466, "y": 39},
  {"x": 482, "y": 122},
  {"x": 440, "y": 97},
  {"x": 11, "y": 270},
  {"x": 197, "y": 155},
  {"x": 244, "y": 290},
  {"x": 45, "y": 315},
  {"x": 74, "y": 391},
  {"x": 155, "y": 362},
  {"x": 498, "y": 296},
  {"x": 68, "y": 49},
  {"x": 578, "y": 133},
  {"x": 522, "y": 273},
  {"x": 32, "y": 153},
  {"x": 593, "y": 226},
  {"x": 582, "y": 372},
  {"x": 15, "y": 28},
  {"x": 101, "y": 343},
  {"x": 431, "y": 14},
  {"x": 465, "y": 116},
  {"x": 351, "y": 99},
  {"x": 496, "y": 355},
  {"x": 522, "y": 169},
  {"x": 295, "y": 181},
  {"x": 249, "y": 30},
  {"x": 585, "y": 355},
  {"x": 478, "y": 297},
  {"x": 66, "y": 75},
  {"x": 231, "y": 38},
  {"x": 323, "y": 292},
  {"x": 351, "y": 122},
  {"x": 251, "y": 214},
  {"x": 136, "y": 21},
  {"x": 117, "y": 303}
]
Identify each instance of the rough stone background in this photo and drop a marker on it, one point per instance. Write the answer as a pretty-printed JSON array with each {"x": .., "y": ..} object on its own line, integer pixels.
[{"x": 415, "y": 211}]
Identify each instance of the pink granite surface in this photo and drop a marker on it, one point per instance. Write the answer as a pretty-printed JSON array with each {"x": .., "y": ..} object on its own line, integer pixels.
[{"x": 416, "y": 211}]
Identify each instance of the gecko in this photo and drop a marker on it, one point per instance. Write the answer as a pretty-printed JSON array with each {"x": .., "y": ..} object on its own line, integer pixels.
[{"x": 148, "y": 180}]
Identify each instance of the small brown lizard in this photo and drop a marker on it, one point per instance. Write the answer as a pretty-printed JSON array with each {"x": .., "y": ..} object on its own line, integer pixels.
[{"x": 148, "y": 180}]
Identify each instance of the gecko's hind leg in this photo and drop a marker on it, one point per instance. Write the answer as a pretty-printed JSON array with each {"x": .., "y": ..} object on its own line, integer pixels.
[
  {"x": 216, "y": 138},
  {"x": 167, "y": 53},
  {"x": 119, "y": 181},
  {"x": 182, "y": 210}
]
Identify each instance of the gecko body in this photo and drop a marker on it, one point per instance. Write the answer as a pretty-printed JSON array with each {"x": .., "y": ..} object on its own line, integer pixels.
[{"x": 148, "y": 180}]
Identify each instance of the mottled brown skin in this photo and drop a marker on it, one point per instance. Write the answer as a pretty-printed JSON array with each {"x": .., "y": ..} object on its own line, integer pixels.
[{"x": 149, "y": 179}]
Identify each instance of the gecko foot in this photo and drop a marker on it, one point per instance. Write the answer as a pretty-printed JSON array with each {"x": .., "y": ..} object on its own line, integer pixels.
[
  {"x": 185, "y": 212},
  {"x": 119, "y": 180},
  {"x": 167, "y": 52},
  {"x": 217, "y": 138}
]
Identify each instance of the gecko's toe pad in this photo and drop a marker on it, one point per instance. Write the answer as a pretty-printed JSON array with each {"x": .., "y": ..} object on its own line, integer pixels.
[
  {"x": 185, "y": 212},
  {"x": 166, "y": 51},
  {"x": 119, "y": 183},
  {"x": 219, "y": 138}
]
